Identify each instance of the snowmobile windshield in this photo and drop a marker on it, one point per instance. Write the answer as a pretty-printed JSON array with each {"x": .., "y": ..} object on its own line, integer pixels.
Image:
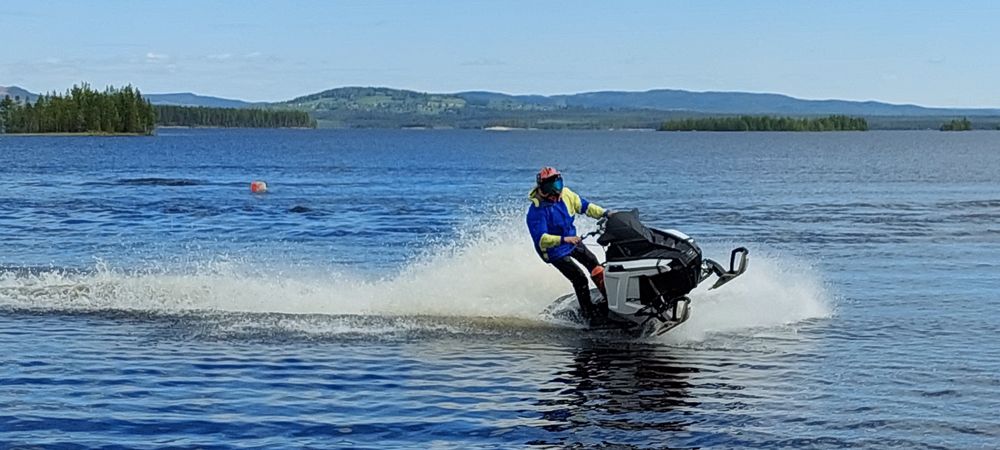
[
  {"x": 626, "y": 238},
  {"x": 624, "y": 226}
]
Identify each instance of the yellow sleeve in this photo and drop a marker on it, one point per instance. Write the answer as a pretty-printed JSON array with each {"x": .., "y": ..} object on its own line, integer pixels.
[
  {"x": 595, "y": 211},
  {"x": 575, "y": 205},
  {"x": 548, "y": 241}
]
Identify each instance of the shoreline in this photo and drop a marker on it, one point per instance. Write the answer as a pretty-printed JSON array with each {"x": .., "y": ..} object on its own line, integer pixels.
[
  {"x": 489, "y": 130},
  {"x": 79, "y": 134},
  {"x": 183, "y": 127}
]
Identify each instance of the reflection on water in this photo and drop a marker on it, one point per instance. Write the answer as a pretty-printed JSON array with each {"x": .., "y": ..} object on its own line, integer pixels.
[{"x": 635, "y": 394}]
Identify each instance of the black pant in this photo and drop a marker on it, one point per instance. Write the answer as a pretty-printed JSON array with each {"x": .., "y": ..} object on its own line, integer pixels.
[{"x": 576, "y": 276}]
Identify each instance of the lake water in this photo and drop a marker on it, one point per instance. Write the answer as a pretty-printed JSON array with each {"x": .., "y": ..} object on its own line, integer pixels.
[{"x": 385, "y": 294}]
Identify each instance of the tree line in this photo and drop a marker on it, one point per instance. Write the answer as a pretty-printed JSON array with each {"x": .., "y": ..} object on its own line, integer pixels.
[
  {"x": 199, "y": 116},
  {"x": 767, "y": 123},
  {"x": 962, "y": 124},
  {"x": 80, "y": 110}
]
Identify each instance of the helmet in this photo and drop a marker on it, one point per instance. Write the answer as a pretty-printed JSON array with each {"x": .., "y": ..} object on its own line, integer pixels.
[{"x": 549, "y": 181}]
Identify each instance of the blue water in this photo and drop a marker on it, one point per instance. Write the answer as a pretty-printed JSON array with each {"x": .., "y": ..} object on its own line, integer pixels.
[{"x": 384, "y": 293}]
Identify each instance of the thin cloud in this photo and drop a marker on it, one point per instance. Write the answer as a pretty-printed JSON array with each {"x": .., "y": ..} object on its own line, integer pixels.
[
  {"x": 156, "y": 57},
  {"x": 484, "y": 62}
]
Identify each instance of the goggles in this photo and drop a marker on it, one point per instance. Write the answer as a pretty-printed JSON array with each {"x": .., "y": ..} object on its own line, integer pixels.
[{"x": 551, "y": 185}]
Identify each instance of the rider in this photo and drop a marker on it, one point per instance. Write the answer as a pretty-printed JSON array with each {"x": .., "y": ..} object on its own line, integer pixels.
[{"x": 550, "y": 221}]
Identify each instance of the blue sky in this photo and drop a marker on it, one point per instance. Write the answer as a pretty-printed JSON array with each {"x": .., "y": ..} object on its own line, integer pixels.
[{"x": 929, "y": 53}]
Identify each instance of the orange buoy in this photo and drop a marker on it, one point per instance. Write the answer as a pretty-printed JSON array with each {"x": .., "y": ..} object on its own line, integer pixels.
[{"x": 258, "y": 187}]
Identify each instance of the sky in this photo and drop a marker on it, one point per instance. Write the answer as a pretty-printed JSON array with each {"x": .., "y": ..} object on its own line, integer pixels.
[{"x": 930, "y": 53}]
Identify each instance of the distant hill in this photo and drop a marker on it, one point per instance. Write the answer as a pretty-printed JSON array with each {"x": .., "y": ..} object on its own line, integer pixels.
[
  {"x": 15, "y": 92},
  {"x": 380, "y": 107},
  {"x": 387, "y": 107},
  {"x": 721, "y": 103},
  {"x": 752, "y": 103},
  {"x": 400, "y": 101},
  {"x": 380, "y": 99},
  {"x": 189, "y": 99},
  {"x": 383, "y": 107}
]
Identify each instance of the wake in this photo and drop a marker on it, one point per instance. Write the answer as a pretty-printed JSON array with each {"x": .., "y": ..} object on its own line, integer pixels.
[{"x": 489, "y": 271}]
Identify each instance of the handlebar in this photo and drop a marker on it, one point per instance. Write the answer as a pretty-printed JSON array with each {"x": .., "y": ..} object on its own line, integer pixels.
[{"x": 600, "y": 228}]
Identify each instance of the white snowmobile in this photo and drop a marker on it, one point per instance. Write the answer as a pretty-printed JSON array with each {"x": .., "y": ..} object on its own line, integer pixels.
[{"x": 649, "y": 273}]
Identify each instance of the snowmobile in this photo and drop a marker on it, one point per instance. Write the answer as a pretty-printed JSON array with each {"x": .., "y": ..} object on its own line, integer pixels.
[{"x": 648, "y": 274}]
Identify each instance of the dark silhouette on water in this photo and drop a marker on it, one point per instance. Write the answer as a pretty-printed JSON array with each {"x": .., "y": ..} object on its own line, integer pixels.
[
  {"x": 633, "y": 388},
  {"x": 159, "y": 182}
]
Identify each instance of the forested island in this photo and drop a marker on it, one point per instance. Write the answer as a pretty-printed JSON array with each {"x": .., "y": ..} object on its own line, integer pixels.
[
  {"x": 767, "y": 123},
  {"x": 962, "y": 124},
  {"x": 187, "y": 116},
  {"x": 124, "y": 111},
  {"x": 80, "y": 110}
]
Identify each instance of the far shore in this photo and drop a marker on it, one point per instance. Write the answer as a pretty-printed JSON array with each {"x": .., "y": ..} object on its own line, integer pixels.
[
  {"x": 486, "y": 129},
  {"x": 86, "y": 133},
  {"x": 188, "y": 127}
]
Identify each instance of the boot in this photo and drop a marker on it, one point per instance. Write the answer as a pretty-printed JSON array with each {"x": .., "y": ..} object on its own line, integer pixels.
[
  {"x": 586, "y": 310},
  {"x": 597, "y": 275}
]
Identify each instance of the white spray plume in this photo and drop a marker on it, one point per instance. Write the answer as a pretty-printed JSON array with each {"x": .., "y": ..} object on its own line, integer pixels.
[{"x": 490, "y": 270}]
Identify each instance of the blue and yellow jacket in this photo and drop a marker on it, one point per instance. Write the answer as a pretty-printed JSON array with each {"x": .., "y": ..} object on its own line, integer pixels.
[{"x": 550, "y": 221}]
